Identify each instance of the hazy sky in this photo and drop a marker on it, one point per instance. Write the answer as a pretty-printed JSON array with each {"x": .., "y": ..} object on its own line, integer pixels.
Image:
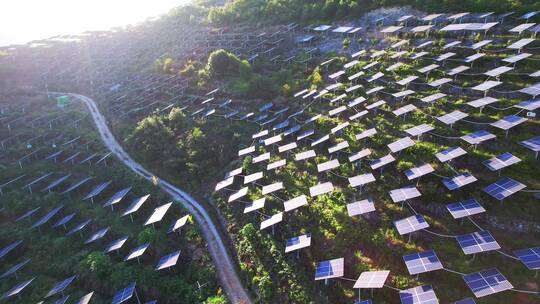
[{"x": 25, "y": 20}]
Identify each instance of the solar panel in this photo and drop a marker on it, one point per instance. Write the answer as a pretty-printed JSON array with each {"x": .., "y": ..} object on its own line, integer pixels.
[
  {"x": 480, "y": 44},
  {"x": 358, "y": 115},
  {"x": 404, "y": 110},
  {"x": 422, "y": 262},
  {"x": 238, "y": 194},
  {"x": 137, "y": 252},
  {"x": 418, "y": 295},
  {"x": 522, "y": 27},
  {"x": 482, "y": 102},
  {"x": 421, "y": 28},
  {"x": 98, "y": 235},
  {"x": 260, "y": 158},
  {"x": 97, "y": 190},
  {"x": 419, "y": 130},
  {"x": 498, "y": 71},
  {"x": 17, "y": 288},
  {"x": 478, "y": 137},
  {"x": 530, "y": 257},
  {"x": 304, "y": 155},
  {"x": 116, "y": 244},
  {"x": 64, "y": 220},
  {"x": 501, "y": 161},
  {"x": 78, "y": 227},
  {"x": 356, "y": 101},
  {"x": 234, "y": 172},
  {"x": 439, "y": 82},
  {"x": 276, "y": 164},
  {"x": 77, "y": 184},
  {"x": 433, "y": 97},
  {"x": 407, "y": 80},
  {"x": 452, "y": 118},
  {"x": 267, "y": 189},
  {"x": 42, "y": 221},
  {"x": 428, "y": 68},
  {"x": 338, "y": 147},
  {"x": 362, "y": 179},
  {"x": 135, "y": 205},
  {"x": 158, "y": 214},
  {"x": 532, "y": 143},
  {"x": 60, "y": 286},
  {"x": 450, "y": 154},
  {"x": 305, "y": 134},
  {"x": 247, "y": 150},
  {"x": 168, "y": 261},
  {"x": 224, "y": 183},
  {"x": 271, "y": 221},
  {"x": 177, "y": 224},
  {"x": 329, "y": 165},
  {"x": 477, "y": 242},
  {"x": 371, "y": 279},
  {"x": 273, "y": 140},
  {"x": 529, "y": 105},
  {"x": 339, "y": 127},
  {"x": 411, "y": 224},
  {"x": 516, "y": 58},
  {"x": 487, "y": 282},
  {"x": 85, "y": 299},
  {"x": 403, "y": 194},
  {"x": 375, "y": 104},
  {"x": 298, "y": 242},
  {"x": 117, "y": 197},
  {"x": 56, "y": 183},
  {"x": 360, "y": 207},
  {"x": 366, "y": 133},
  {"x": 465, "y": 208},
  {"x": 359, "y": 155},
  {"x": 473, "y": 58},
  {"x": 379, "y": 163},
  {"x": 457, "y": 70},
  {"x": 13, "y": 269},
  {"x": 417, "y": 172},
  {"x": 124, "y": 294},
  {"x": 401, "y": 144},
  {"x": 458, "y": 181},
  {"x": 295, "y": 203},
  {"x": 320, "y": 189},
  {"x": 504, "y": 188},
  {"x": 253, "y": 177},
  {"x": 329, "y": 269},
  {"x": 27, "y": 214},
  {"x": 445, "y": 56},
  {"x": 508, "y": 122}
]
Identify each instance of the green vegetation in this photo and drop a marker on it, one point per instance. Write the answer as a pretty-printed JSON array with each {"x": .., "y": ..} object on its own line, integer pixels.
[
  {"x": 283, "y": 11},
  {"x": 56, "y": 256}
]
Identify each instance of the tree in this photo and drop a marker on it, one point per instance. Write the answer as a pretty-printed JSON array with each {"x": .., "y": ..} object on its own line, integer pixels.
[
  {"x": 99, "y": 264},
  {"x": 151, "y": 137}
]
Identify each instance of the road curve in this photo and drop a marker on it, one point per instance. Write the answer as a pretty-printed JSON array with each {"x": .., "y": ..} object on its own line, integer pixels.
[{"x": 223, "y": 262}]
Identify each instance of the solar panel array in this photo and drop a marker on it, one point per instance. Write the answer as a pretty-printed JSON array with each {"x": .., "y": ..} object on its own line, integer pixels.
[{"x": 369, "y": 87}]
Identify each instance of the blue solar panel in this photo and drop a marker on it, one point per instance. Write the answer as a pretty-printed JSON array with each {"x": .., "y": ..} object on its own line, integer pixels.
[
  {"x": 60, "y": 286},
  {"x": 477, "y": 242},
  {"x": 418, "y": 295},
  {"x": 62, "y": 300},
  {"x": 503, "y": 188},
  {"x": 458, "y": 181},
  {"x": 411, "y": 224},
  {"x": 124, "y": 294},
  {"x": 487, "y": 282},
  {"x": 465, "y": 301},
  {"x": 8, "y": 248},
  {"x": 14, "y": 269},
  {"x": 17, "y": 288},
  {"x": 530, "y": 257},
  {"x": 422, "y": 262},
  {"x": 465, "y": 208},
  {"x": 64, "y": 220},
  {"x": 47, "y": 217},
  {"x": 329, "y": 269}
]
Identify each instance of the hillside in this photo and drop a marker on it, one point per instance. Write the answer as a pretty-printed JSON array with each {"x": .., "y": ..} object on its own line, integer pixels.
[{"x": 345, "y": 152}]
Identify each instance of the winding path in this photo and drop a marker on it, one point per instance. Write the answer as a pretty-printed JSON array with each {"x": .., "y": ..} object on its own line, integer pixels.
[{"x": 223, "y": 262}]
